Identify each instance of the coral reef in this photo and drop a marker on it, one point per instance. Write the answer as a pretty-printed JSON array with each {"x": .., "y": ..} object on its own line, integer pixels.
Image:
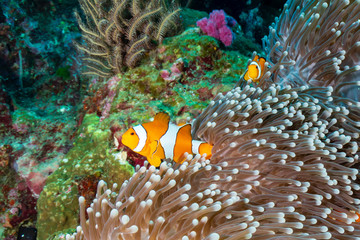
[
  {"x": 251, "y": 21},
  {"x": 77, "y": 175},
  {"x": 218, "y": 26},
  {"x": 286, "y": 151},
  {"x": 252, "y": 15},
  {"x": 17, "y": 202},
  {"x": 203, "y": 66},
  {"x": 34, "y": 43},
  {"x": 5, "y": 116},
  {"x": 39, "y": 92},
  {"x": 120, "y": 36},
  {"x": 33, "y": 141}
]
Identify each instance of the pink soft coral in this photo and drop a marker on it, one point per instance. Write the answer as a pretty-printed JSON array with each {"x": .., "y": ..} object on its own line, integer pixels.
[{"x": 216, "y": 26}]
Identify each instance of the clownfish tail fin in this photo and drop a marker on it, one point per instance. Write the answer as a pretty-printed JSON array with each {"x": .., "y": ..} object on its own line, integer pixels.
[
  {"x": 200, "y": 147},
  {"x": 205, "y": 148}
]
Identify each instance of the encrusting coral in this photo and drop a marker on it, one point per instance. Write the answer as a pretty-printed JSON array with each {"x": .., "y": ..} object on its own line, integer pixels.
[
  {"x": 284, "y": 159},
  {"x": 118, "y": 36}
]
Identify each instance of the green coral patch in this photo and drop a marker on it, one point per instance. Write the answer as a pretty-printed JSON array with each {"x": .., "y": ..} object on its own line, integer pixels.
[{"x": 90, "y": 160}]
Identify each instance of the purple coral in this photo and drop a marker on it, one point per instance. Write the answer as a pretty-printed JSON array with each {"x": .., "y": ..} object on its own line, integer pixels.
[{"x": 217, "y": 26}]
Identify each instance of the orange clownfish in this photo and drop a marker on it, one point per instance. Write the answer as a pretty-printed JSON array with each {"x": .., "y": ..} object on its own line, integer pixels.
[
  {"x": 255, "y": 69},
  {"x": 161, "y": 139}
]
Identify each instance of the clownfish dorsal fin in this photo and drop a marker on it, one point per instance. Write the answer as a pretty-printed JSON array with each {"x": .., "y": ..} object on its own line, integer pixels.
[
  {"x": 158, "y": 127},
  {"x": 162, "y": 118},
  {"x": 262, "y": 62},
  {"x": 181, "y": 123},
  {"x": 185, "y": 132}
]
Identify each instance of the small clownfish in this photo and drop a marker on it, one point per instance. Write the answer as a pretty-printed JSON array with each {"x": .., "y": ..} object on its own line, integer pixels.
[
  {"x": 161, "y": 139},
  {"x": 256, "y": 69}
]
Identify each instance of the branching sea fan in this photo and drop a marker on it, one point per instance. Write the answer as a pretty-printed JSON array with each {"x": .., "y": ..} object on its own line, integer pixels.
[{"x": 118, "y": 33}]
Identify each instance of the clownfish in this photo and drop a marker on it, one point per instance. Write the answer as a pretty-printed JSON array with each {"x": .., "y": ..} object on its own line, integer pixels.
[
  {"x": 255, "y": 69},
  {"x": 161, "y": 139}
]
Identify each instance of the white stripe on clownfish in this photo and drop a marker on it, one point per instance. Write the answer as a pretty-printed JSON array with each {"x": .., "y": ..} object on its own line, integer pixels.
[
  {"x": 258, "y": 67},
  {"x": 255, "y": 69},
  {"x": 195, "y": 146},
  {"x": 141, "y": 133},
  {"x": 168, "y": 140}
]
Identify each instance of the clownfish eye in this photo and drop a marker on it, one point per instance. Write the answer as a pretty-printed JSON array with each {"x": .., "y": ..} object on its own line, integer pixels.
[{"x": 132, "y": 133}]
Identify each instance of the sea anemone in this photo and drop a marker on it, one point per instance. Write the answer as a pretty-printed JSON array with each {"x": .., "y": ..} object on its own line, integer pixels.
[
  {"x": 284, "y": 155},
  {"x": 315, "y": 43},
  {"x": 281, "y": 167}
]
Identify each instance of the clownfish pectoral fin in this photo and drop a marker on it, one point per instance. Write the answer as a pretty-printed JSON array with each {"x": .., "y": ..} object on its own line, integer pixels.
[
  {"x": 153, "y": 147},
  {"x": 154, "y": 161},
  {"x": 162, "y": 118},
  {"x": 246, "y": 76}
]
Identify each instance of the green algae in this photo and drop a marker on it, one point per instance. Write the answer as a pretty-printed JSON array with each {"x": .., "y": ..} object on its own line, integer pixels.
[{"x": 90, "y": 159}]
